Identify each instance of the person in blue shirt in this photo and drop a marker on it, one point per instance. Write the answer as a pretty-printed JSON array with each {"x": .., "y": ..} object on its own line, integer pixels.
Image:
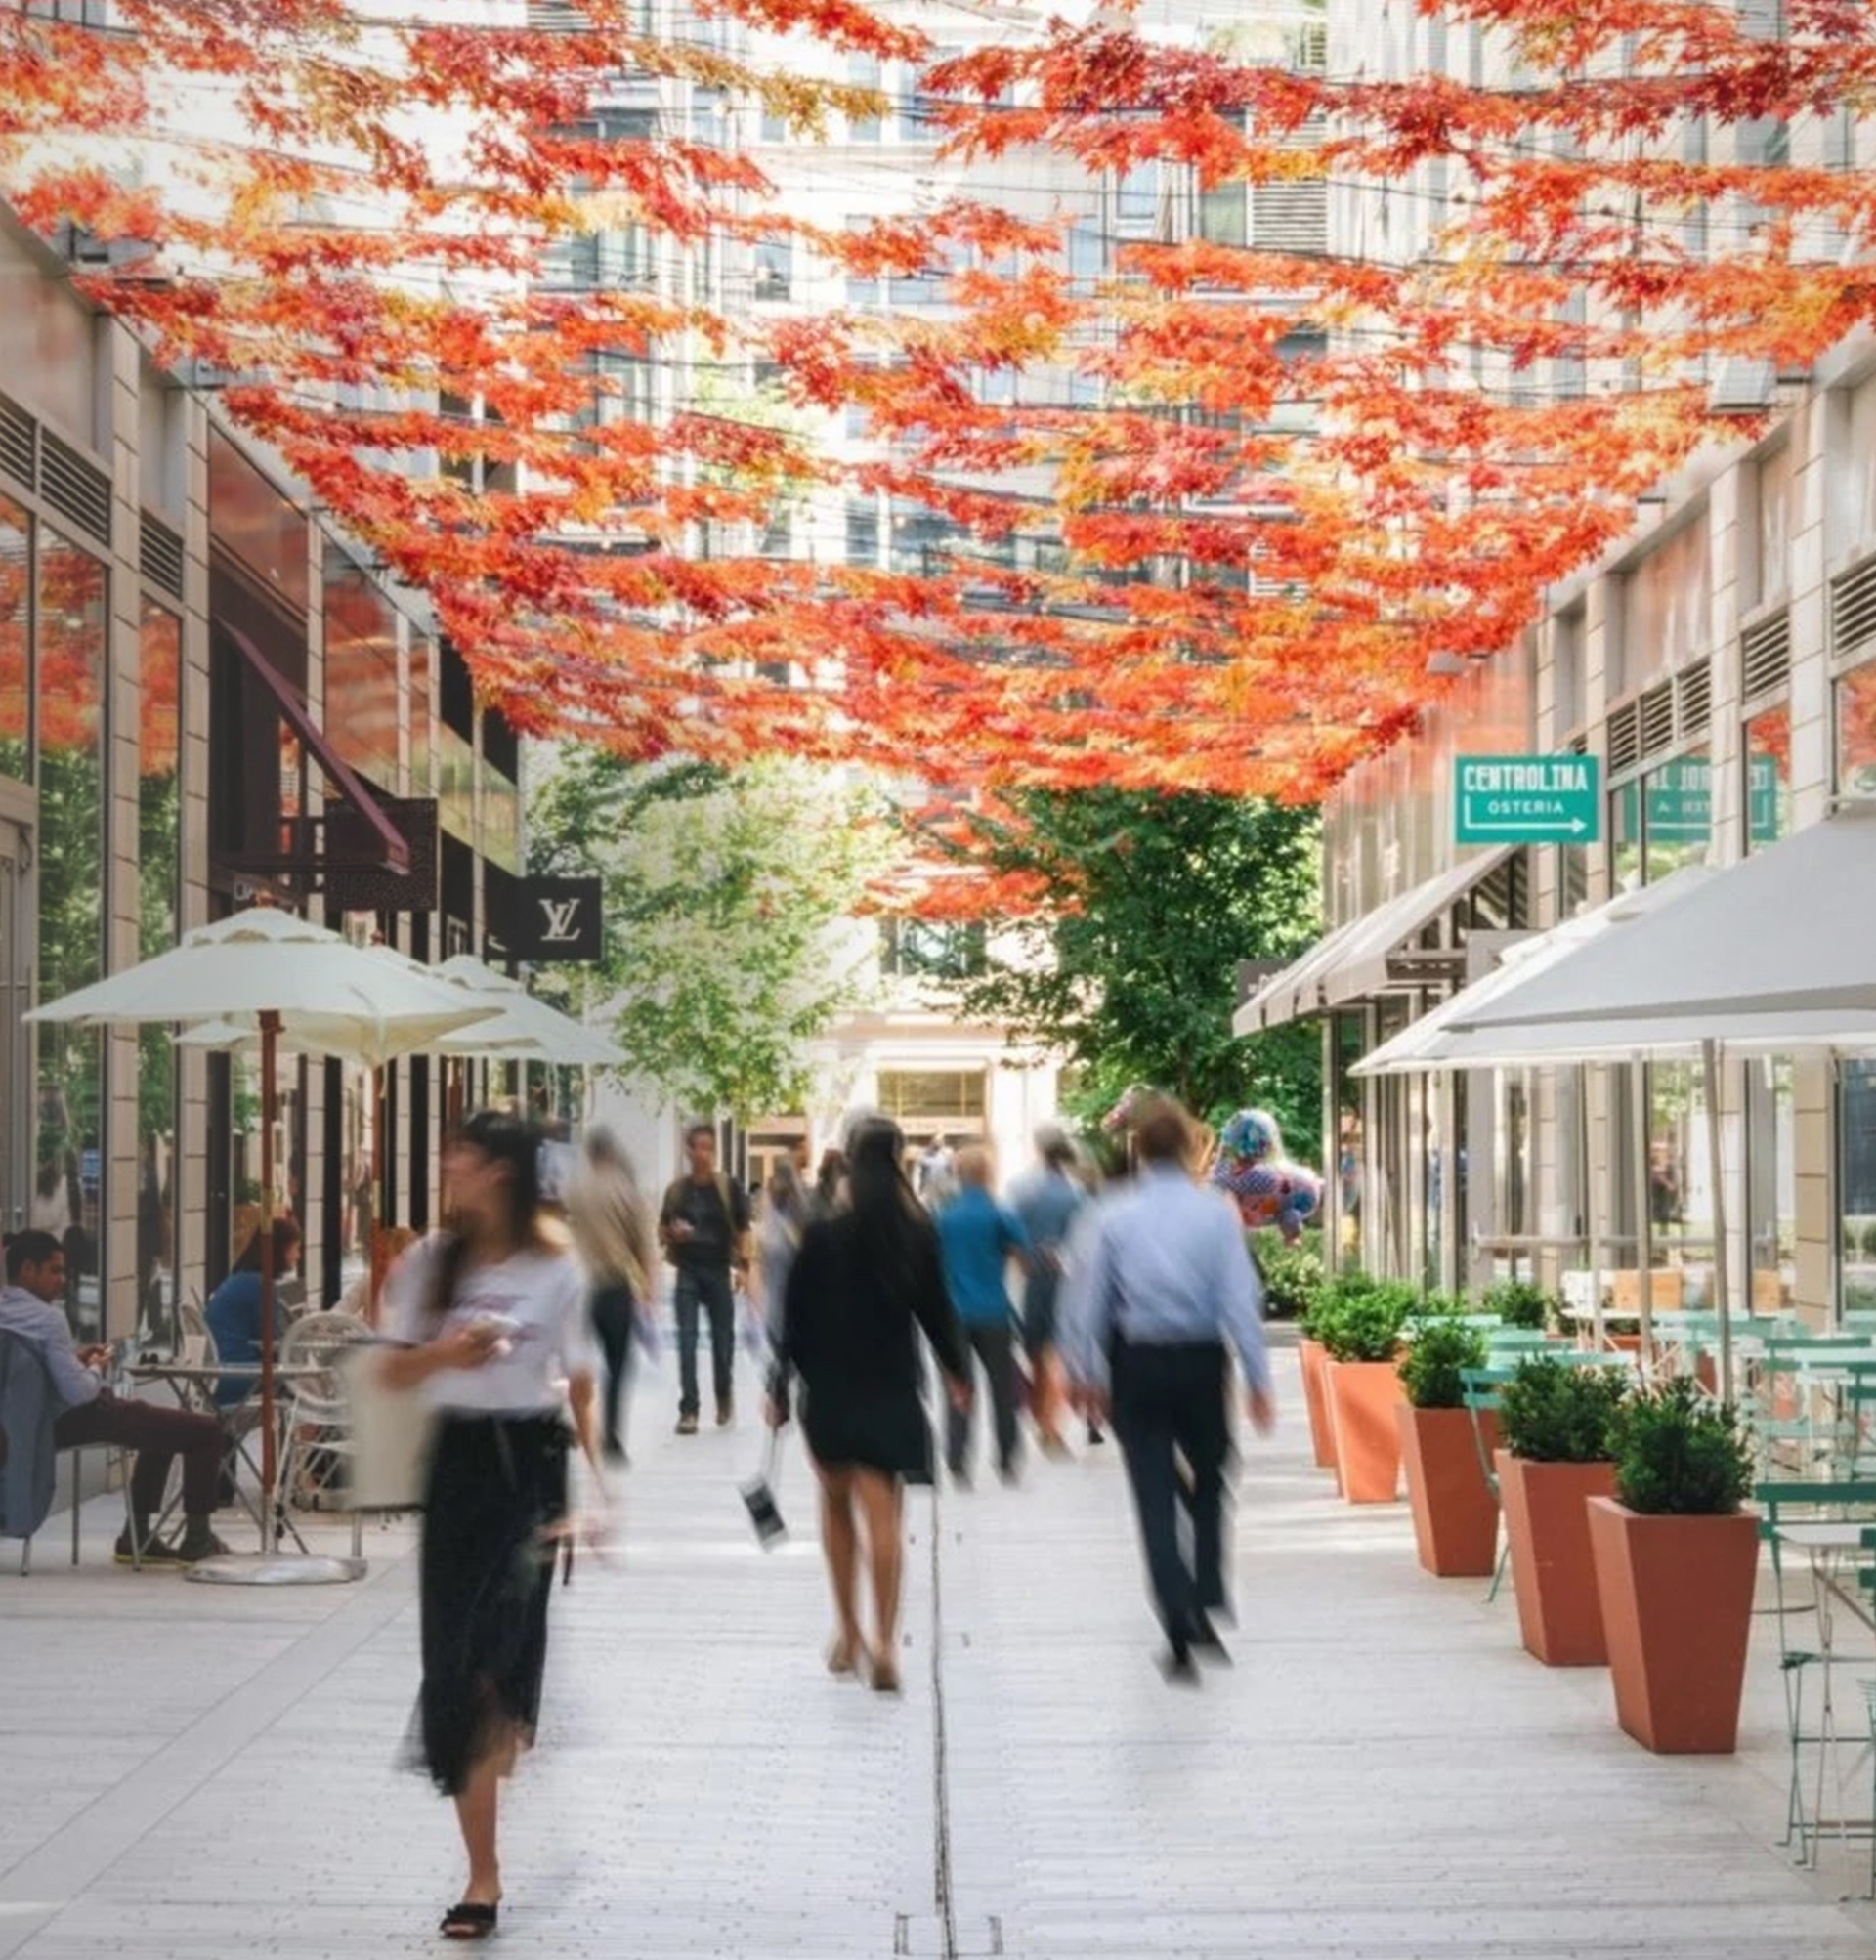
[
  {"x": 1046, "y": 1202},
  {"x": 234, "y": 1310},
  {"x": 978, "y": 1238},
  {"x": 1166, "y": 1294}
]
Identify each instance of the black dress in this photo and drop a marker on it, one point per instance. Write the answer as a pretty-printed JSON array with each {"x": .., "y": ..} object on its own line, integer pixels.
[{"x": 850, "y": 1332}]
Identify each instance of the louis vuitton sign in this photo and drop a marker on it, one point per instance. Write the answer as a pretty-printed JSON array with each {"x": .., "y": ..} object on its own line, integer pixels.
[{"x": 556, "y": 920}]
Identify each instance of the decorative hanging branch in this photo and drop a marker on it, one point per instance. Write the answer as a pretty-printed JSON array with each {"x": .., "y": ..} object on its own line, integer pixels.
[{"x": 1203, "y": 517}]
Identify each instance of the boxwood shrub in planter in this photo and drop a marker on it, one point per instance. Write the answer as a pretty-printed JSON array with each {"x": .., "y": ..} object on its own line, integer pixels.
[
  {"x": 1675, "y": 1559},
  {"x": 1362, "y": 1336},
  {"x": 1455, "y": 1513},
  {"x": 1521, "y": 1302},
  {"x": 1555, "y": 1425}
]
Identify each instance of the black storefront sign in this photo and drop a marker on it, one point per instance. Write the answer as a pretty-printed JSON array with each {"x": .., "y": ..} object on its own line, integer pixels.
[{"x": 555, "y": 919}]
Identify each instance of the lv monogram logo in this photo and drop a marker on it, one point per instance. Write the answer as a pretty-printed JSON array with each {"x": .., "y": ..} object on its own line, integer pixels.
[{"x": 561, "y": 920}]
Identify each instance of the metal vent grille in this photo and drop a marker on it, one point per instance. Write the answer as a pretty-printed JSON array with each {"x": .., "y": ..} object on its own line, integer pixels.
[
  {"x": 74, "y": 487},
  {"x": 555, "y": 16},
  {"x": 1852, "y": 608},
  {"x": 19, "y": 443},
  {"x": 1693, "y": 699},
  {"x": 1764, "y": 656},
  {"x": 1579, "y": 744},
  {"x": 161, "y": 555},
  {"x": 1656, "y": 712},
  {"x": 1625, "y": 737}
]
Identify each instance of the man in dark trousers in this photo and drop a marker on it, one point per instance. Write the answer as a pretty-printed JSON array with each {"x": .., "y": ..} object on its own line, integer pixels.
[
  {"x": 704, "y": 1226},
  {"x": 1166, "y": 1291}
]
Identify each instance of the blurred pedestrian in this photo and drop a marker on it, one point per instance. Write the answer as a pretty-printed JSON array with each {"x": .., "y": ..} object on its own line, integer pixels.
[
  {"x": 611, "y": 1227},
  {"x": 1166, "y": 1291},
  {"x": 495, "y": 1317},
  {"x": 704, "y": 1226},
  {"x": 980, "y": 1237},
  {"x": 861, "y": 1285},
  {"x": 830, "y": 1193},
  {"x": 1046, "y": 1202},
  {"x": 781, "y": 1220}
]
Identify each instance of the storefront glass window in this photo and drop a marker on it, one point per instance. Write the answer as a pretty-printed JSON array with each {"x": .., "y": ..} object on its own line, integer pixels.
[
  {"x": 16, "y": 641},
  {"x": 68, "y": 1117},
  {"x": 1856, "y": 1185},
  {"x": 159, "y": 871},
  {"x": 1772, "y": 1183},
  {"x": 1677, "y": 815},
  {"x": 1679, "y": 1187},
  {"x": 1625, "y": 836},
  {"x": 1856, "y": 731},
  {"x": 1768, "y": 778}
]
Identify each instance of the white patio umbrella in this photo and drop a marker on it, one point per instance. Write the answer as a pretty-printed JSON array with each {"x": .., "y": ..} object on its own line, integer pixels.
[
  {"x": 266, "y": 971},
  {"x": 1773, "y": 954},
  {"x": 525, "y": 1028}
]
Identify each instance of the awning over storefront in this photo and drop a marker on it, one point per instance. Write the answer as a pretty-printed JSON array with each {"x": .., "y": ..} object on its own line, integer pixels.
[
  {"x": 1782, "y": 947},
  {"x": 1368, "y": 954}
]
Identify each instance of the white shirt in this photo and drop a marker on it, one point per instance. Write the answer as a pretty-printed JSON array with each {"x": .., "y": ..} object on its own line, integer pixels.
[{"x": 545, "y": 1292}]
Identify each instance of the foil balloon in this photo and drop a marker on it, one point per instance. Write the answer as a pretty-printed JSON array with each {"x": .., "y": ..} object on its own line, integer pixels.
[{"x": 1269, "y": 1189}]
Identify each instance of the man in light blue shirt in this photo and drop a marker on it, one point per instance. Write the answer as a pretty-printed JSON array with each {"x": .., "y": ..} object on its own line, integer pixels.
[
  {"x": 1165, "y": 1289},
  {"x": 1046, "y": 1201}
]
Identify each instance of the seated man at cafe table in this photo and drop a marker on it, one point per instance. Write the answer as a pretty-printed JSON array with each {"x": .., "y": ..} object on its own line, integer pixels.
[{"x": 90, "y": 1413}]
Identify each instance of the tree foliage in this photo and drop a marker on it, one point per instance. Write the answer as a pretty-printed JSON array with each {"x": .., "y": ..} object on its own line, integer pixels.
[
  {"x": 1128, "y": 966},
  {"x": 1372, "y": 434},
  {"x": 725, "y": 894}
]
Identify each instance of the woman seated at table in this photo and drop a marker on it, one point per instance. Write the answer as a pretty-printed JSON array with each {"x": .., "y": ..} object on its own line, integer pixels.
[{"x": 233, "y": 1311}]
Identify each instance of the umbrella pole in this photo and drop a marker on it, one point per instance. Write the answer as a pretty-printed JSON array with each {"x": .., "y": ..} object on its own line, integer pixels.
[
  {"x": 269, "y": 1103},
  {"x": 1716, "y": 1159},
  {"x": 1644, "y": 1222}
]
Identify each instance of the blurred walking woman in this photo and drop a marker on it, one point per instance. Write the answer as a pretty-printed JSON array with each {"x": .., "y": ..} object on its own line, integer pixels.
[
  {"x": 495, "y": 1312},
  {"x": 861, "y": 1285}
]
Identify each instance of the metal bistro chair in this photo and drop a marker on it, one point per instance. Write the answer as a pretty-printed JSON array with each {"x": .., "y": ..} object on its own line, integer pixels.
[
  {"x": 1840, "y": 1515},
  {"x": 317, "y": 1414}
]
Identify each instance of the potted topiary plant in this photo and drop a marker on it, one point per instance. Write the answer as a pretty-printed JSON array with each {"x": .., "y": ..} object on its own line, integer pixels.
[
  {"x": 1455, "y": 1513},
  {"x": 1557, "y": 1453},
  {"x": 1521, "y": 1302},
  {"x": 1675, "y": 1562},
  {"x": 1361, "y": 1342},
  {"x": 1313, "y": 1359}
]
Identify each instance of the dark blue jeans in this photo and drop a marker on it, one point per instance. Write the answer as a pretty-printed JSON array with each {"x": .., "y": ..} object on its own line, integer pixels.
[{"x": 710, "y": 1291}]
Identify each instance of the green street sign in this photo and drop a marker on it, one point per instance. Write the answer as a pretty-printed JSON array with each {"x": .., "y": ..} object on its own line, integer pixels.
[{"x": 1526, "y": 799}]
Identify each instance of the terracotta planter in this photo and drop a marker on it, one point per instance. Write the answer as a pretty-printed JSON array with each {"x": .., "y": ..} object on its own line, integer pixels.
[
  {"x": 1547, "y": 1526},
  {"x": 1455, "y": 1513},
  {"x": 1315, "y": 1397},
  {"x": 1677, "y": 1612},
  {"x": 1362, "y": 1398}
]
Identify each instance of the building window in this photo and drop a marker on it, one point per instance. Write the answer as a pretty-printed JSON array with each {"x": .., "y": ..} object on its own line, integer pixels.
[
  {"x": 1770, "y": 573},
  {"x": 1666, "y": 603},
  {"x": 1660, "y": 821},
  {"x": 923, "y": 949},
  {"x": 1772, "y": 1183},
  {"x": 159, "y": 828},
  {"x": 73, "y": 615},
  {"x": 1768, "y": 777},
  {"x": 1852, "y": 477},
  {"x": 925, "y": 1100},
  {"x": 1568, "y": 696},
  {"x": 862, "y": 288},
  {"x": 862, "y": 72},
  {"x": 1856, "y": 1185},
  {"x": 863, "y": 533},
  {"x": 1855, "y": 701},
  {"x": 774, "y": 271},
  {"x": 16, "y": 641}
]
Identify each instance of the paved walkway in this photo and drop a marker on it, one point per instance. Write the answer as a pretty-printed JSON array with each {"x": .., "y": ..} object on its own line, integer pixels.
[{"x": 192, "y": 1772}]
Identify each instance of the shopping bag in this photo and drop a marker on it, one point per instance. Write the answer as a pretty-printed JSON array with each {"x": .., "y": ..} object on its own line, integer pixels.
[
  {"x": 393, "y": 1434},
  {"x": 758, "y": 1498}
]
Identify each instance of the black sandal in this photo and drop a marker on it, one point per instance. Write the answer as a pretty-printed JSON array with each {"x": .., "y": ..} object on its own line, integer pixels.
[{"x": 468, "y": 1921}]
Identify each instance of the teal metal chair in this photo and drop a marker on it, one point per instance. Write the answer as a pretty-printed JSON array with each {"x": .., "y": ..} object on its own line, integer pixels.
[{"x": 1842, "y": 1513}]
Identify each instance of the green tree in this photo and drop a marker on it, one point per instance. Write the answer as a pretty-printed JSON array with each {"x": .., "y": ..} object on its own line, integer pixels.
[
  {"x": 728, "y": 896},
  {"x": 1129, "y": 969}
]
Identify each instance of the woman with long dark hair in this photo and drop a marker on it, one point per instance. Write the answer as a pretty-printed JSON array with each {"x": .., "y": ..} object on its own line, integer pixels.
[
  {"x": 495, "y": 1312},
  {"x": 860, "y": 1286},
  {"x": 612, "y": 1227}
]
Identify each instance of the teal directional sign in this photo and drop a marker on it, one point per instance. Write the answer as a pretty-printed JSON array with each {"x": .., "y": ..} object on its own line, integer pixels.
[{"x": 1526, "y": 799}]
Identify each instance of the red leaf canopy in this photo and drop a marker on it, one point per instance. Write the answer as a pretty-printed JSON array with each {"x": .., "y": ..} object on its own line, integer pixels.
[{"x": 1306, "y": 474}]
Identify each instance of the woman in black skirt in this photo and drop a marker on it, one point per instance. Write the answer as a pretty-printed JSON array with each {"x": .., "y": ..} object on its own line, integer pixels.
[
  {"x": 861, "y": 1285},
  {"x": 495, "y": 1314}
]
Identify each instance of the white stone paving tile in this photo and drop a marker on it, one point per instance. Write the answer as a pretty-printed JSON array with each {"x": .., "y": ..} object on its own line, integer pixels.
[{"x": 195, "y": 1772}]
